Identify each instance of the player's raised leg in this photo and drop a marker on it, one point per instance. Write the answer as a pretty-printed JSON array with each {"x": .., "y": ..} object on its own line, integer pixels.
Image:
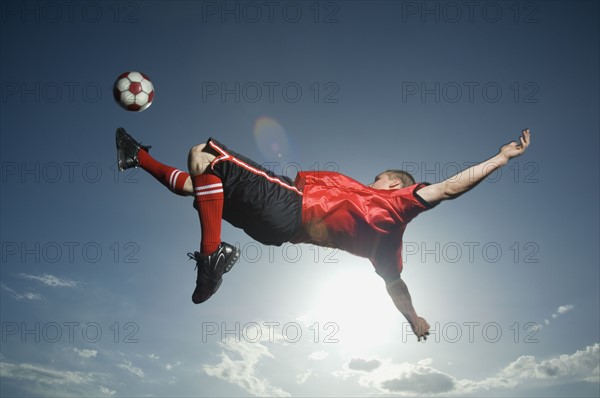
[
  {"x": 215, "y": 257},
  {"x": 131, "y": 153}
]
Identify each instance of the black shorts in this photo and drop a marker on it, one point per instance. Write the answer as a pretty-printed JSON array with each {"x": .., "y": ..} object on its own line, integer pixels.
[{"x": 268, "y": 207}]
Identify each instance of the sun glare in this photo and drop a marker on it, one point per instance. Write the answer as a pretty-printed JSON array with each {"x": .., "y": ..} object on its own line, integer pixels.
[{"x": 354, "y": 309}]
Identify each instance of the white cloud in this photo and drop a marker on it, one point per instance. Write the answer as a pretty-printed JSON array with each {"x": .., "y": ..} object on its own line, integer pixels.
[
  {"x": 153, "y": 356},
  {"x": 318, "y": 355},
  {"x": 422, "y": 378},
  {"x": 85, "y": 353},
  {"x": 169, "y": 366},
  {"x": 242, "y": 372},
  {"x": 31, "y": 296},
  {"x": 38, "y": 380},
  {"x": 42, "y": 375},
  {"x": 107, "y": 392},
  {"x": 301, "y": 378},
  {"x": 128, "y": 366},
  {"x": 21, "y": 296},
  {"x": 579, "y": 366},
  {"x": 403, "y": 379},
  {"x": 565, "y": 308},
  {"x": 363, "y": 364},
  {"x": 561, "y": 310},
  {"x": 50, "y": 280}
]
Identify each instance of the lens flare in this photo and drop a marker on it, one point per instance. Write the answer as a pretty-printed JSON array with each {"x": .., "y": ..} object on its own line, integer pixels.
[{"x": 271, "y": 138}]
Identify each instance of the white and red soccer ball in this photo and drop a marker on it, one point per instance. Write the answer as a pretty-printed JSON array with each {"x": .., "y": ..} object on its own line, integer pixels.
[{"x": 133, "y": 91}]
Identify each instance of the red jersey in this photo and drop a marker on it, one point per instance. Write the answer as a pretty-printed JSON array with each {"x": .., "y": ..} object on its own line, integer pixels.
[{"x": 340, "y": 212}]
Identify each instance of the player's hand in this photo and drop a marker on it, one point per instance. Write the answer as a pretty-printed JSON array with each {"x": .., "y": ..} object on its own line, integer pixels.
[
  {"x": 420, "y": 328},
  {"x": 514, "y": 149}
]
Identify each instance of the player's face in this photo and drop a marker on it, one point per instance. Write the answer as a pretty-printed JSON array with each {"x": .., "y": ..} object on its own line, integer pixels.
[{"x": 383, "y": 181}]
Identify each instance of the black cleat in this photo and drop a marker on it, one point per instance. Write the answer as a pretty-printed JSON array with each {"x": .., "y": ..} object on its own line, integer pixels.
[
  {"x": 127, "y": 150},
  {"x": 205, "y": 284},
  {"x": 211, "y": 269}
]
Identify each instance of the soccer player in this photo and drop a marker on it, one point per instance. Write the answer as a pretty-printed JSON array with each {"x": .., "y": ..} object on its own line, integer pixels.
[{"x": 319, "y": 207}]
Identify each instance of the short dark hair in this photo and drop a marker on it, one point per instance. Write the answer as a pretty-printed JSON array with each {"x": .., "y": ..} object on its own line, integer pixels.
[{"x": 406, "y": 178}]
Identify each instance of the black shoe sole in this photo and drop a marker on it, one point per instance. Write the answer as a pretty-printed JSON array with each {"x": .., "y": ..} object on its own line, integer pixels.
[{"x": 120, "y": 150}]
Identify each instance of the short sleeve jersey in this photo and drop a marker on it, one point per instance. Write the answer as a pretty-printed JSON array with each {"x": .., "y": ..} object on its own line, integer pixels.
[{"x": 340, "y": 212}]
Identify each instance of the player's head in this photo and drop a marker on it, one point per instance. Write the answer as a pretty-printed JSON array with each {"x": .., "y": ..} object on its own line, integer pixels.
[{"x": 393, "y": 179}]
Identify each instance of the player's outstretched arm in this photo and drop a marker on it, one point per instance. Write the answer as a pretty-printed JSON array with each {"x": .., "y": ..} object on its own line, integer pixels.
[
  {"x": 398, "y": 291},
  {"x": 467, "y": 179}
]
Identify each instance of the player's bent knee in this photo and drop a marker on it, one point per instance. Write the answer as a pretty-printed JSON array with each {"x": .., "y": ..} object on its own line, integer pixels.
[
  {"x": 199, "y": 159},
  {"x": 196, "y": 150}
]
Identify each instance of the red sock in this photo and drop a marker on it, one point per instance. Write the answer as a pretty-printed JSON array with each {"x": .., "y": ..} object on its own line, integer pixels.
[
  {"x": 209, "y": 198},
  {"x": 170, "y": 177}
]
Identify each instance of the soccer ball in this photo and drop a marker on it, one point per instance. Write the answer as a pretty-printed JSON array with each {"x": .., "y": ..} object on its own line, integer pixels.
[{"x": 133, "y": 91}]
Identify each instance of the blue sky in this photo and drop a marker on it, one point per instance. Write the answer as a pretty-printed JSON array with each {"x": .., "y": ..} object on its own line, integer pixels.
[{"x": 95, "y": 282}]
